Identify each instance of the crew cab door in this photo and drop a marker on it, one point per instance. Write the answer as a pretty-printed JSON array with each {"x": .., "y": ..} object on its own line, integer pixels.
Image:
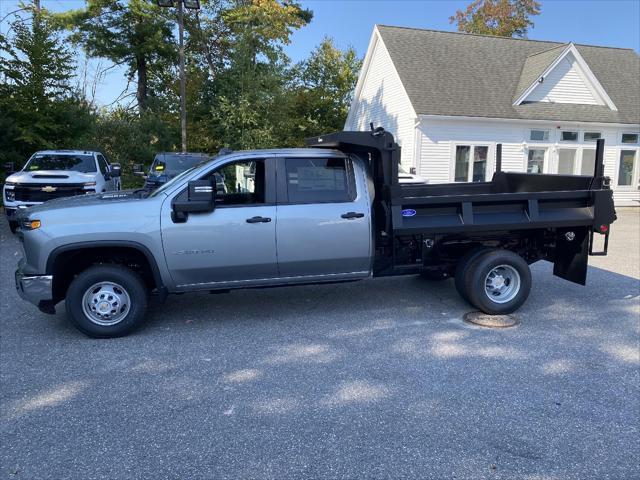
[
  {"x": 323, "y": 226},
  {"x": 236, "y": 243}
]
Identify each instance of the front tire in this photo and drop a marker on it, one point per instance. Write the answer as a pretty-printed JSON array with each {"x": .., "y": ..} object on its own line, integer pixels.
[
  {"x": 498, "y": 282},
  {"x": 107, "y": 301},
  {"x": 13, "y": 226}
]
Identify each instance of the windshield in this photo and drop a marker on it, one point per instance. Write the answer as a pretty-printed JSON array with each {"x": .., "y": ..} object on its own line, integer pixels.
[
  {"x": 174, "y": 164},
  {"x": 74, "y": 163}
]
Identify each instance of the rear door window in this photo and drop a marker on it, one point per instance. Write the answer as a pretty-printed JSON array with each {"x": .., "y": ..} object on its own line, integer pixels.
[{"x": 319, "y": 180}]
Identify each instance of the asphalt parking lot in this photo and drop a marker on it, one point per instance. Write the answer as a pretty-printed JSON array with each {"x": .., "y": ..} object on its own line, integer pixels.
[{"x": 377, "y": 379}]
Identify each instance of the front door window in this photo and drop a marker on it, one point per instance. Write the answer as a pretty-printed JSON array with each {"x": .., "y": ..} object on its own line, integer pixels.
[
  {"x": 588, "y": 162},
  {"x": 566, "y": 161},
  {"x": 535, "y": 163},
  {"x": 627, "y": 168}
]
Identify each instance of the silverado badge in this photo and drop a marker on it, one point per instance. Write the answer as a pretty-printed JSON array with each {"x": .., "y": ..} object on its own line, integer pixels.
[{"x": 49, "y": 189}]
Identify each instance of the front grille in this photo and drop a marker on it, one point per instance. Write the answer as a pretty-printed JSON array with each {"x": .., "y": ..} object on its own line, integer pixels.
[{"x": 32, "y": 192}]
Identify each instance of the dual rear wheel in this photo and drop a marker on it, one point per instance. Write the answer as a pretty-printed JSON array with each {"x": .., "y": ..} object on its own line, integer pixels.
[{"x": 495, "y": 281}]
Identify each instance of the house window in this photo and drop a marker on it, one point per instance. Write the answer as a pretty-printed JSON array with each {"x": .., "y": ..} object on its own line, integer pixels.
[
  {"x": 588, "y": 161},
  {"x": 566, "y": 161},
  {"x": 569, "y": 136},
  {"x": 465, "y": 169},
  {"x": 627, "y": 167},
  {"x": 535, "y": 163},
  {"x": 539, "y": 135},
  {"x": 629, "y": 138},
  {"x": 592, "y": 136}
]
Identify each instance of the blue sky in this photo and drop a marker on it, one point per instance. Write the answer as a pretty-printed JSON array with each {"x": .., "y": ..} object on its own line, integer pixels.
[{"x": 614, "y": 23}]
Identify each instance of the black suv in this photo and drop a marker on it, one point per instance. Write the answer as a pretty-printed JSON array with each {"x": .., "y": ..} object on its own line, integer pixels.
[{"x": 167, "y": 165}]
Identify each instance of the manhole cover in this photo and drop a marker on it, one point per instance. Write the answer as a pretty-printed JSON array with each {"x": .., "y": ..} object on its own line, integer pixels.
[{"x": 492, "y": 321}]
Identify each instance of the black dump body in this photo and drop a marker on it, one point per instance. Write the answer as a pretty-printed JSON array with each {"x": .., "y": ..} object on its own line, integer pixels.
[{"x": 540, "y": 210}]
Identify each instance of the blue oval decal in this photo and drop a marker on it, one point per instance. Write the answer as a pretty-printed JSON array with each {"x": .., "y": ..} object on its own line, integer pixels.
[{"x": 409, "y": 212}]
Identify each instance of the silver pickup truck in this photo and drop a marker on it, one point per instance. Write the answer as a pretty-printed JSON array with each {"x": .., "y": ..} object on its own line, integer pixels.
[{"x": 332, "y": 212}]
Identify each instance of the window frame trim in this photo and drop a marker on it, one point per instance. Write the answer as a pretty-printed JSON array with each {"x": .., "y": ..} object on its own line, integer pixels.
[
  {"x": 635, "y": 174},
  {"x": 636, "y": 143},
  {"x": 570, "y": 142},
  {"x": 490, "y": 167},
  {"x": 269, "y": 181},
  {"x": 547, "y": 130},
  {"x": 545, "y": 161},
  {"x": 282, "y": 190},
  {"x": 589, "y": 142}
]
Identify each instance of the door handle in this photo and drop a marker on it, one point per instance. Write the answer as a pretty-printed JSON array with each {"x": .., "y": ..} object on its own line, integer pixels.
[
  {"x": 258, "y": 220},
  {"x": 350, "y": 215}
]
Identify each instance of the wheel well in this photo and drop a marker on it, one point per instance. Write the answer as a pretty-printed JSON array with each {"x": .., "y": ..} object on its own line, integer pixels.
[{"x": 68, "y": 264}]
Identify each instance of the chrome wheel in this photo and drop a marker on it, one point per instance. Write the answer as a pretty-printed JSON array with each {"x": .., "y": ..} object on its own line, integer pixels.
[
  {"x": 106, "y": 303},
  {"x": 502, "y": 284}
]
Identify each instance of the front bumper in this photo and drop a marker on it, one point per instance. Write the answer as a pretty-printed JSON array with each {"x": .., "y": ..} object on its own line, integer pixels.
[{"x": 36, "y": 289}]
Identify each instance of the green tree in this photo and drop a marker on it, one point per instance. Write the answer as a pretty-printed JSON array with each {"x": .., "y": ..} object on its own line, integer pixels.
[
  {"x": 134, "y": 33},
  {"x": 39, "y": 107},
  {"x": 504, "y": 18},
  {"x": 323, "y": 91},
  {"x": 250, "y": 100}
]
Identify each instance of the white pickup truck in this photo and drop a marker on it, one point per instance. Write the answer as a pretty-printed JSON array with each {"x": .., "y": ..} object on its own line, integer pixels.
[{"x": 57, "y": 173}]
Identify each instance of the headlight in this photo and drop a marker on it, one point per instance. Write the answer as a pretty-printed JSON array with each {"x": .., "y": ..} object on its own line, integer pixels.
[{"x": 10, "y": 195}]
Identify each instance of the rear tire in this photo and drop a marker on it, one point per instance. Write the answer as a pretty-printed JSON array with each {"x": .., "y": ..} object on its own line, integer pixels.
[
  {"x": 463, "y": 268},
  {"x": 107, "y": 301},
  {"x": 498, "y": 282}
]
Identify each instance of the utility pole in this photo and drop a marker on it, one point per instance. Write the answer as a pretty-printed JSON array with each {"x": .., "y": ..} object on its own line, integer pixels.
[
  {"x": 183, "y": 80},
  {"x": 191, "y": 5}
]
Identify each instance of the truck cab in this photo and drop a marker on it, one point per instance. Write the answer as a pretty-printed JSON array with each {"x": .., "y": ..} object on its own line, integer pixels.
[{"x": 53, "y": 174}]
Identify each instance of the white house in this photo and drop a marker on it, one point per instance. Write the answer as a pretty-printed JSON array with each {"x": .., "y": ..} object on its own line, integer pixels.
[{"x": 449, "y": 98}]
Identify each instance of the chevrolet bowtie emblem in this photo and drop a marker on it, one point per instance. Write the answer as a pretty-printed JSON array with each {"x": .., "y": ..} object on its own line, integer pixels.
[{"x": 49, "y": 189}]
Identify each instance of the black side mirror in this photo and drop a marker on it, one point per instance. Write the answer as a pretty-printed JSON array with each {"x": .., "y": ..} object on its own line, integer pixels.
[
  {"x": 116, "y": 170},
  {"x": 9, "y": 168},
  {"x": 138, "y": 169},
  {"x": 201, "y": 198}
]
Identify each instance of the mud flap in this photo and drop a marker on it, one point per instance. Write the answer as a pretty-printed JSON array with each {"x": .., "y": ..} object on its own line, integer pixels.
[{"x": 572, "y": 256}]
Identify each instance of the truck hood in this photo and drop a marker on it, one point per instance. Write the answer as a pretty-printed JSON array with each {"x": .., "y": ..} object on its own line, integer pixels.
[
  {"x": 122, "y": 196},
  {"x": 52, "y": 176}
]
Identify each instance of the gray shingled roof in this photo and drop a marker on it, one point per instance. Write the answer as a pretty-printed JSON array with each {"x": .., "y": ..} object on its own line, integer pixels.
[
  {"x": 458, "y": 74},
  {"x": 535, "y": 65}
]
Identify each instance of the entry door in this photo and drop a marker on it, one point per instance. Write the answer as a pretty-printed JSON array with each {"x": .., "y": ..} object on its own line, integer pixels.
[
  {"x": 323, "y": 224},
  {"x": 234, "y": 244}
]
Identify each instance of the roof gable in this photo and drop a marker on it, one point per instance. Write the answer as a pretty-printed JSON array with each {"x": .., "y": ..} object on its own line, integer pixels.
[
  {"x": 566, "y": 78},
  {"x": 455, "y": 74}
]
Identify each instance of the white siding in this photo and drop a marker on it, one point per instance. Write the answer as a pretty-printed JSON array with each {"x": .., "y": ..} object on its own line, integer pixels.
[
  {"x": 565, "y": 84},
  {"x": 437, "y": 140},
  {"x": 383, "y": 101}
]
